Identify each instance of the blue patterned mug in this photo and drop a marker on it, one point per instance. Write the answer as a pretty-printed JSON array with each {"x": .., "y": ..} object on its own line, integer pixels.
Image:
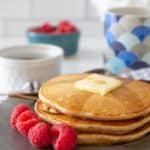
[{"x": 127, "y": 29}]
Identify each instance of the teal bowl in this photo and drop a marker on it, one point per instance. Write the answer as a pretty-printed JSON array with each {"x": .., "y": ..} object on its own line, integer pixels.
[{"x": 68, "y": 41}]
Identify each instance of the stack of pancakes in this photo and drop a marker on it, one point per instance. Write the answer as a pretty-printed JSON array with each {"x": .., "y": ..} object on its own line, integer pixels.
[{"x": 120, "y": 116}]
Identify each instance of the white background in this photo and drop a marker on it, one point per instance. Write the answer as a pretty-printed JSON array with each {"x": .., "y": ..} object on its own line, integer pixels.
[{"x": 17, "y": 15}]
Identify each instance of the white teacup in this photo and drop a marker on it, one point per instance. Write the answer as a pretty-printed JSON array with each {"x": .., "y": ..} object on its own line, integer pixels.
[{"x": 23, "y": 64}]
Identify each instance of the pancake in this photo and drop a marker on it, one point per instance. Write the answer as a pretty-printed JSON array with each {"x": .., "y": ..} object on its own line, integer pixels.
[
  {"x": 89, "y": 126},
  {"x": 131, "y": 100},
  {"x": 103, "y": 139}
]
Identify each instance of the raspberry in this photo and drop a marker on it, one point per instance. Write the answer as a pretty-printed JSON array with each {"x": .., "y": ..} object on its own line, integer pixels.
[
  {"x": 36, "y": 30},
  {"x": 16, "y": 112},
  {"x": 24, "y": 121},
  {"x": 23, "y": 127},
  {"x": 46, "y": 28},
  {"x": 26, "y": 115},
  {"x": 62, "y": 27},
  {"x": 64, "y": 23},
  {"x": 40, "y": 135},
  {"x": 59, "y": 30},
  {"x": 70, "y": 28},
  {"x": 64, "y": 137}
]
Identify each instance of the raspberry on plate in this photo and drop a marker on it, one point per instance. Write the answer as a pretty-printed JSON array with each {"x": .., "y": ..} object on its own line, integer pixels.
[
  {"x": 26, "y": 115},
  {"x": 24, "y": 127},
  {"x": 16, "y": 112},
  {"x": 25, "y": 120},
  {"x": 64, "y": 137},
  {"x": 40, "y": 135}
]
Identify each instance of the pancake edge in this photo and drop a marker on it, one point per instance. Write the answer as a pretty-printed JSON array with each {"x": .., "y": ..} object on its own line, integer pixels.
[{"x": 107, "y": 129}]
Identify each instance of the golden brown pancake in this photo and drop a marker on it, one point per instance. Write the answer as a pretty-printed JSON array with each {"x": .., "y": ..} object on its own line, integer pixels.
[
  {"x": 131, "y": 100},
  {"x": 105, "y": 139},
  {"x": 87, "y": 126},
  {"x": 86, "y": 138}
]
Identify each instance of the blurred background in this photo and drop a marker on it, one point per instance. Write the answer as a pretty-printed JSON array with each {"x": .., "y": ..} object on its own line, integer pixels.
[{"x": 17, "y": 15}]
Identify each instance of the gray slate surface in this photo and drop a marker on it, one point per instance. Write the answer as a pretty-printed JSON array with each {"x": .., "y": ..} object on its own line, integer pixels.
[{"x": 11, "y": 140}]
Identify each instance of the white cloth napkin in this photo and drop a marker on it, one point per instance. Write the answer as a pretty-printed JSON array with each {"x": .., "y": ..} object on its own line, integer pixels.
[{"x": 140, "y": 74}]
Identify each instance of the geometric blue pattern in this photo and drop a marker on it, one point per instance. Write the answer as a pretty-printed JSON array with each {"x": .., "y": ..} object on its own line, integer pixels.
[
  {"x": 141, "y": 32},
  {"x": 128, "y": 57},
  {"x": 110, "y": 37},
  {"x": 119, "y": 42},
  {"x": 139, "y": 65},
  {"x": 117, "y": 47},
  {"x": 110, "y": 19},
  {"x": 115, "y": 65}
]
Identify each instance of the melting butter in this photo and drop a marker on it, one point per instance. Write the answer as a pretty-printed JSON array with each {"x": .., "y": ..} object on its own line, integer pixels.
[{"x": 99, "y": 84}]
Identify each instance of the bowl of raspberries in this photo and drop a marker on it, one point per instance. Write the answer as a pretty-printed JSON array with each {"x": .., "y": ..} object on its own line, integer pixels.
[{"x": 65, "y": 35}]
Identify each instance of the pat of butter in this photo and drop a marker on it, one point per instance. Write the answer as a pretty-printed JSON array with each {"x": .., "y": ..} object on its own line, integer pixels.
[{"x": 98, "y": 84}]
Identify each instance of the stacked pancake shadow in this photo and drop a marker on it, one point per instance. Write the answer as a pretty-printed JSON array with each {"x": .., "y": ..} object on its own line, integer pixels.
[{"x": 121, "y": 116}]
